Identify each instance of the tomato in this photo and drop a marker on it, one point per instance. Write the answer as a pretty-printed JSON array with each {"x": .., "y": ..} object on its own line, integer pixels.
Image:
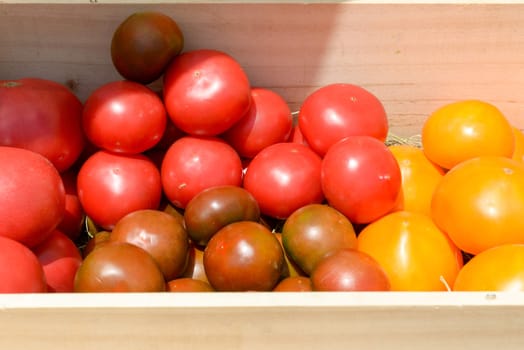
[
  {"x": 144, "y": 44},
  {"x": 206, "y": 92},
  {"x": 60, "y": 259},
  {"x": 119, "y": 267},
  {"x": 33, "y": 196},
  {"x": 158, "y": 233},
  {"x": 284, "y": 177},
  {"x": 243, "y": 256},
  {"x": 193, "y": 164},
  {"x": 314, "y": 231},
  {"x": 111, "y": 185},
  {"x": 99, "y": 239},
  {"x": 294, "y": 284},
  {"x": 500, "y": 268},
  {"x": 419, "y": 178},
  {"x": 361, "y": 178},
  {"x": 186, "y": 284},
  {"x": 125, "y": 117},
  {"x": 479, "y": 203},
  {"x": 338, "y": 110},
  {"x": 291, "y": 269},
  {"x": 466, "y": 129},
  {"x": 268, "y": 121},
  {"x": 42, "y": 116},
  {"x": 296, "y": 135},
  {"x": 20, "y": 270},
  {"x": 216, "y": 207},
  {"x": 71, "y": 223},
  {"x": 518, "y": 150},
  {"x": 414, "y": 252},
  {"x": 349, "y": 270}
]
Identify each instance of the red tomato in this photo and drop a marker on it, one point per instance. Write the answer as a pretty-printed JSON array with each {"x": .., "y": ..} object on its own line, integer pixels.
[
  {"x": 20, "y": 270},
  {"x": 125, "y": 117},
  {"x": 206, "y": 92},
  {"x": 361, "y": 178},
  {"x": 336, "y": 111},
  {"x": 193, "y": 164},
  {"x": 284, "y": 177},
  {"x": 268, "y": 121},
  {"x": 33, "y": 196},
  {"x": 111, "y": 185},
  {"x": 71, "y": 223},
  {"x": 60, "y": 259},
  {"x": 296, "y": 136},
  {"x": 42, "y": 116}
]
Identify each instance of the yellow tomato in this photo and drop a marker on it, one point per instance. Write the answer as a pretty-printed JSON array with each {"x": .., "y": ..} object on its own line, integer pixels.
[
  {"x": 415, "y": 254},
  {"x": 466, "y": 129}
]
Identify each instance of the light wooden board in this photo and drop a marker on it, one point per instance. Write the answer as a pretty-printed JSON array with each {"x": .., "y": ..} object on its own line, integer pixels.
[{"x": 414, "y": 57}]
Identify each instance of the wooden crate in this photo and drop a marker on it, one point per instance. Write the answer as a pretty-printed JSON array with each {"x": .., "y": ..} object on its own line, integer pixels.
[{"x": 415, "y": 56}]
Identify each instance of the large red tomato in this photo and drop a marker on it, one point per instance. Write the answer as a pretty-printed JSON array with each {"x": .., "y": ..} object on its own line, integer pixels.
[
  {"x": 268, "y": 121},
  {"x": 206, "y": 92},
  {"x": 361, "y": 178},
  {"x": 33, "y": 196},
  {"x": 20, "y": 270},
  {"x": 193, "y": 164},
  {"x": 336, "y": 111},
  {"x": 42, "y": 116},
  {"x": 125, "y": 117},
  {"x": 284, "y": 177},
  {"x": 111, "y": 185}
]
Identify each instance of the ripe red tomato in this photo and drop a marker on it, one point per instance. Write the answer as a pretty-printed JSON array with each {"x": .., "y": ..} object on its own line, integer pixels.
[
  {"x": 71, "y": 223},
  {"x": 111, "y": 185},
  {"x": 193, "y": 164},
  {"x": 284, "y": 177},
  {"x": 336, "y": 111},
  {"x": 33, "y": 196},
  {"x": 267, "y": 121},
  {"x": 42, "y": 116},
  {"x": 20, "y": 270},
  {"x": 125, "y": 117},
  {"x": 205, "y": 92},
  {"x": 361, "y": 178},
  {"x": 60, "y": 259}
]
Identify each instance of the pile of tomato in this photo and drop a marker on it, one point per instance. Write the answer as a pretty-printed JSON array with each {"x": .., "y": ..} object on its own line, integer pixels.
[{"x": 214, "y": 184}]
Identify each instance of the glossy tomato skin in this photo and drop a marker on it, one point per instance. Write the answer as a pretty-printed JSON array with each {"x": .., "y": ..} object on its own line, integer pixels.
[
  {"x": 361, "y": 178},
  {"x": 111, "y": 185},
  {"x": 158, "y": 233},
  {"x": 268, "y": 121},
  {"x": 124, "y": 117},
  {"x": 315, "y": 231},
  {"x": 284, "y": 177},
  {"x": 143, "y": 45},
  {"x": 243, "y": 256},
  {"x": 193, "y": 164},
  {"x": 33, "y": 196},
  {"x": 339, "y": 110},
  {"x": 42, "y": 116},
  {"x": 119, "y": 267},
  {"x": 216, "y": 207},
  {"x": 205, "y": 92},
  {"x": 60, "y": 259},
  {"x": 20, "y": 270},
  {"x": 186, "y": 284},
  {"x": 349, "y": 270},
  {"x": 294, "y": 284}
]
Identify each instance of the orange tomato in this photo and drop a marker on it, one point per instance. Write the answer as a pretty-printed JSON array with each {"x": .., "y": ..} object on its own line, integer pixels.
[
  {"x": 480, "y": 203},
  {"x": 415, "y": 254},
  {"x": 518, "y": 151},
  {"x": 419, "y": 178},
  {"x": 466, "y": 129},
  {"x": 500, "y": 268}
]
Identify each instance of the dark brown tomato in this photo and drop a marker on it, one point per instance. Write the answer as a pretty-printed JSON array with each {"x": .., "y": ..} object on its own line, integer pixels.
[
  {"x": 349, "y": 270},
  {"x": 186, "y": 284},
  {"x": 100, "y": 238},
  {"x": 119, "y": 267},
  {"x": 159, "y": 234},
  {"x": 294, "y": 284},
  {"x": 143, "y": 45},
  {"x": 315, "y": 231},
  {"x": 195, "y": 265},
  {"x": 216, "y": 207},
  {"x": 243, "y": 256}
]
